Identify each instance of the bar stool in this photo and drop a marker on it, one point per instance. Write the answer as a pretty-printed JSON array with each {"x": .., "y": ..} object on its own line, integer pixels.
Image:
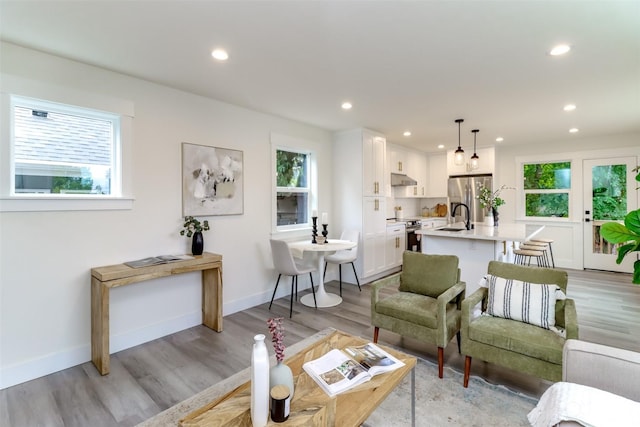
[
  {"x": 549, "y": 242},
  {"x": 540, "y": 246},
  {"x": 523, "y": 256}
]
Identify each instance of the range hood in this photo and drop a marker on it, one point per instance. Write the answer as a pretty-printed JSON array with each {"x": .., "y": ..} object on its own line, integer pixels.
[{"x": 402, "y": 180}]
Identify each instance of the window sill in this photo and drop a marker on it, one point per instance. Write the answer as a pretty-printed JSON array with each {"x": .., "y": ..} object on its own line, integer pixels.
[{"x": 28, "y": 204}]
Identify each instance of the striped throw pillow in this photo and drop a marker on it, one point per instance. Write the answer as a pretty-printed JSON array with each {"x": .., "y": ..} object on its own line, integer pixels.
[{"x": 531, "y": 303}]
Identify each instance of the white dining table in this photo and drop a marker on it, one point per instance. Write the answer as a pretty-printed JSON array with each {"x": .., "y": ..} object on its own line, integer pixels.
[{"x": 323, "y": 298}]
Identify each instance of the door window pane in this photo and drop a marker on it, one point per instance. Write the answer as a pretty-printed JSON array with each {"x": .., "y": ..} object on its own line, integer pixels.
[{"x": 609, "y": 185}]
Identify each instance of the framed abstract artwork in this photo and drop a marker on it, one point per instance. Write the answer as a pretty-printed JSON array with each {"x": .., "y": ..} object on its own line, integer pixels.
[{"x": 212, "y": 181}]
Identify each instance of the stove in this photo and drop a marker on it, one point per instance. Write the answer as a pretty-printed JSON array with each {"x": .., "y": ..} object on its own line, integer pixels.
[
  {"x": 413, "y": 224},
  {"x": 413, "y": 239}
]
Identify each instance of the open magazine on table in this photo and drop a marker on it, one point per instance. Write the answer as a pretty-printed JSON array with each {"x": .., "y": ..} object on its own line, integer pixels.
[
  {"x": 155, "y": 260},
  {"x": 340, "y": 370}
]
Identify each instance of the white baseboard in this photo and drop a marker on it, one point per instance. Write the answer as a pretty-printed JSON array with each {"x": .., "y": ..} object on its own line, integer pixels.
[{"x": 36, "y": 368}]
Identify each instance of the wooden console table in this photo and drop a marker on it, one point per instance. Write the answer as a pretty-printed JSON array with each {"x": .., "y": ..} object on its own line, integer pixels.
[{"x": 113, "y": 276}]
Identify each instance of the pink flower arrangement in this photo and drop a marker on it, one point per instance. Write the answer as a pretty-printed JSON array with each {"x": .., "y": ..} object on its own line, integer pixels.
[{"x": 277, "y": 336}]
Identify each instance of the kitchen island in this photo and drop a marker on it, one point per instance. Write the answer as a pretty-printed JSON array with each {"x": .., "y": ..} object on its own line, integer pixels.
[{"x": 475, "y": 247}]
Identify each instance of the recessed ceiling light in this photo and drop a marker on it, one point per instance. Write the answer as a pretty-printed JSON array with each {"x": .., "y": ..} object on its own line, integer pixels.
[
  {"x": 499, "y": 139},
  {"x": 346, "y": 105},
  {"x": 220, "y": 54},
  {"x": 407, "y": 133},
  {"x": 441, "y": 146},
  {"x": 569, "y": 107},
  {"x": 560, "y": 49},
  {"x": 574, "y": 130}
]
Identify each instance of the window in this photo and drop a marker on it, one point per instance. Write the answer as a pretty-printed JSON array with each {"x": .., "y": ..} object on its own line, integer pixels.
[
  {"x": 292, "y": 187},
  {"x": 62, "y": 150},
  {"x": 546, "y": 189}
]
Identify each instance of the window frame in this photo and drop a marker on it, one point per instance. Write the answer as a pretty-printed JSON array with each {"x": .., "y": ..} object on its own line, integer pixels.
[
  {"x": 293, "y": 145},
  {"x": 120, "y": 198},
  {"x": 569, "y": 191},
  {"x": 115, "y": 158}
]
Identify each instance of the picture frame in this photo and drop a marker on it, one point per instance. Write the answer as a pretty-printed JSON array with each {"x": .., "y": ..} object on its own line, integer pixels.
[{"x": 212, "y": 180}]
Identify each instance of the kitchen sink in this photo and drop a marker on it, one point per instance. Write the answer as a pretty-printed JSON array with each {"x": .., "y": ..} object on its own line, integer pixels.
[{"x": 450, "y": 229}]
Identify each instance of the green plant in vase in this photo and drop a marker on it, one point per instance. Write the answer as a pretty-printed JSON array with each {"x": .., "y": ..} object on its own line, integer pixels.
[
  {"x": 629, "y": 234},
  {"x": 491, "y": 200},
  {"x": 192, "y": 227}
]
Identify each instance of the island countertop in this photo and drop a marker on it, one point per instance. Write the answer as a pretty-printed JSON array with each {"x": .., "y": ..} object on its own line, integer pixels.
[{"x": 508, "y": 231}]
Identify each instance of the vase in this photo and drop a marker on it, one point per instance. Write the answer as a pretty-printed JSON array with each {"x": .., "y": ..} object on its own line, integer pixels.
[
  {"x": 259, "y": 382},
  {"x": 197, "y": 244},
  {"x": 281, "y": 374},
  {"x": 495, "y": 216},
  {"x": 488, "y": 218}
]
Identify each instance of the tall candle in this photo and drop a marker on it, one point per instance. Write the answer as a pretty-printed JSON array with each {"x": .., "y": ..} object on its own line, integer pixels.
[
  {"x": 314, "y": 213},
  {"x": 325, "y": 218}
]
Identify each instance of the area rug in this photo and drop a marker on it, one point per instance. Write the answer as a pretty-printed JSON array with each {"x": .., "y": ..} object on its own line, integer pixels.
[
  {"x": 445, "y": 402},
  {"x": 439, "y": 402}
]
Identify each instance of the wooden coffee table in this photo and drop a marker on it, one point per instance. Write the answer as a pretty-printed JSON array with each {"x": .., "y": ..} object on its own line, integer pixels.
[{"x": 310, "y": 405}]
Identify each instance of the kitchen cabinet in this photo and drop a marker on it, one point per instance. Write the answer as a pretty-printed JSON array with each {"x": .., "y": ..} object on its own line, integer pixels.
[
  {"x": 397, "y": 158},
  {"x": 431, "y": 223},
  {"x": 487, "y": 162},
  {"x": 359, "y": 195},
  {"x": 396, "y": 242},
  {"x": 437, "y": 175},
  {"x": 373, "y": 155},
  {"x": 374, "y": 235},
  {"x": 409, "y": 162},
  {"x": 417, "y": 169}
]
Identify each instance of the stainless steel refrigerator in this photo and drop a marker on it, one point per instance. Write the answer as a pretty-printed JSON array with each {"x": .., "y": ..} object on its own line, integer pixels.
[{"x": 464, "y": 189}]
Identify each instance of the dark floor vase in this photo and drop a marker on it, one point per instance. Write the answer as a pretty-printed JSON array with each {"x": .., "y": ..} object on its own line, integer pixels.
[{"x": 197, "y": 245}]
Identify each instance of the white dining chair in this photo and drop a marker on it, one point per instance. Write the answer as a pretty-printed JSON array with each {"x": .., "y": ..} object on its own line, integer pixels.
[
  {"x": 285, "y": 264},
  {"x": 345, "y": 256}
]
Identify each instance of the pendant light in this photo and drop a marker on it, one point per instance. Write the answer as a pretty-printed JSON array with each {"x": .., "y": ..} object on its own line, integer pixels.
[
  {"x": 475, "y": 160},
  {"x": 458, "y": 158}
]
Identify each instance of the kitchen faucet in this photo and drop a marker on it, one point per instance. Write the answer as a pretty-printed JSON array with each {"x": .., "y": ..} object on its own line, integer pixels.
[{"x": 453, "y": 214}]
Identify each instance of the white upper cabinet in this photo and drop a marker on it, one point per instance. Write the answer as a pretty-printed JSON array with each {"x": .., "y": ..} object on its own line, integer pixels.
[
  {"x": 397, "y": 158},
  {"x": 487, "y": 162},
  {"x": 417, "y": 169},
  {"x": 408, "y": 162}
]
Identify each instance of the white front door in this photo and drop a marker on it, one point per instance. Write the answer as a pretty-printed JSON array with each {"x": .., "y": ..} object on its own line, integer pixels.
[{"x": 609, "y": 194}]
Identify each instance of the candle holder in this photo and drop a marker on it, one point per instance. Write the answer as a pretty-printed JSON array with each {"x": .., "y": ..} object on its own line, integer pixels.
[
  {"x": 314, "y": 230},
  {"x": 325, "y": 232}
]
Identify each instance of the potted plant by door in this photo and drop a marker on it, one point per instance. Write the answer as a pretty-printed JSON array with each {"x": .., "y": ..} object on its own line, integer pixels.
[
  {"x": 628, "y": 234},
  {"x": 193, "y": 228}
]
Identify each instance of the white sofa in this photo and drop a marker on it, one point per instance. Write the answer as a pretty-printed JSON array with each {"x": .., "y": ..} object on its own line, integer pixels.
[{"x": 603, "y": 368}]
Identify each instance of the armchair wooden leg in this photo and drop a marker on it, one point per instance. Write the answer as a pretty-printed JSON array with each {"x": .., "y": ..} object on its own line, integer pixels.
[
  {"x": 458, "y": 337},
  {"x": 375, "y": 334},
  {"x": 440, "y": 361},
  {"x": 467, "y": 369}
]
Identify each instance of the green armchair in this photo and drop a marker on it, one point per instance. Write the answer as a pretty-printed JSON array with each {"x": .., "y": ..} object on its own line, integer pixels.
[
  {"x": 426, "y": 306},
  {"x": 514, "y": 344}
]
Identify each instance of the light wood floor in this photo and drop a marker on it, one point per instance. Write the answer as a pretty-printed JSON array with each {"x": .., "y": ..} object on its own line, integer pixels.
[{"x": 151, "y": 377}]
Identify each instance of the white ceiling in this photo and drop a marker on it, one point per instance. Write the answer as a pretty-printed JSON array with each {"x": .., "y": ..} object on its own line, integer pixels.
[{"x": 405, "y": 65}]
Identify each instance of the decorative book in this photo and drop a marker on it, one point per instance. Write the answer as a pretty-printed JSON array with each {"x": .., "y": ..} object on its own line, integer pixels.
[{"x": 341, "y": 370}]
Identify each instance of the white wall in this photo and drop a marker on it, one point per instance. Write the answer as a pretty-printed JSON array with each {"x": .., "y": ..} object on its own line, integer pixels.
[
  {"x": 46, "y": 257},
  {"x": 567, "y": 234}
]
